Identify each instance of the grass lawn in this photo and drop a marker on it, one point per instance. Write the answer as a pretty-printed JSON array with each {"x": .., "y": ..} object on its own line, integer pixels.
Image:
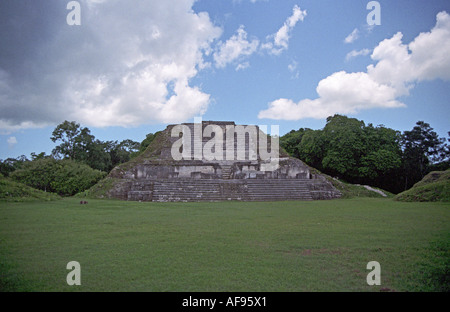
[{"x": 228, "y": 246}]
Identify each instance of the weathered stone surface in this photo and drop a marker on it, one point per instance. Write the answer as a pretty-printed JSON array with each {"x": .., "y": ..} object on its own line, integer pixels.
[{"x": 156, "y": 176}]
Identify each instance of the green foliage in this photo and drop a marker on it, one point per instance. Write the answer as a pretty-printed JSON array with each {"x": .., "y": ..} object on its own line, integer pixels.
[
  {"x": 343, "y": 146},
  {"x": 124, "y": 151},
  {"x": 421, "y": 148},
  {"x": 150, "y": 147},
  {"x": 73, "y": 138},
  {"x": 11, "y": 164},
  {"x": 72, "y": 178},
  {"x": 435, "y": 186},
  {"x": 363, "y": 154},
  {"x": 79, "y": 144},
  {"x": 381, "y": 155},
  {"x": 100, "y": 189},
  {"x": 359, "y": 153},
  {"x": 97, "y": 155},
  {"x": 65, "y": 177},
  {"x": 12, "y": 191},
  {"x": 291, "y": 140},
  {"x": 144, "y": 144},
  {"x": 42, "y": 155},
  {"x": 311, "y": 148}
]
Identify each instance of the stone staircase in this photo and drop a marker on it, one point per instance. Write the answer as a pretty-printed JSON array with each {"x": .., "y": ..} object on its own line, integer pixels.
[
  {"x": 141, "y": 191},
  {"x": 178, "y": 190},
  {"x": 281, "y": 189},
  {"x": 195, "y": 190},
  {"x": 226, "y": 172}
]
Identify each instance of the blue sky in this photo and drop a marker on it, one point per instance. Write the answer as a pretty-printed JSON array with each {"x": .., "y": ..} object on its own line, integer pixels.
[{"x": 129, "y": 70}]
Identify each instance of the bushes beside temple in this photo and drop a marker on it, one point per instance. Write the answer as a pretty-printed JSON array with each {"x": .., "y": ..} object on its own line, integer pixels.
[{"x": 64, "y": 177}]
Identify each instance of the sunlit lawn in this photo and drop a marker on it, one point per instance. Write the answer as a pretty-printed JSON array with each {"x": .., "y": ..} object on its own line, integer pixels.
[{"x": 225, "y": 246}]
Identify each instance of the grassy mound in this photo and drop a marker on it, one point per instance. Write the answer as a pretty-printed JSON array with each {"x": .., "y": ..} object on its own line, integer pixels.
[
  {"x": 435, "y": 186},
  {"x": 99, "y": 190},
  {"x": 349, "y": 190},
  {"x": 17, "y": 192},
  {"x": 355, "y": 190}
]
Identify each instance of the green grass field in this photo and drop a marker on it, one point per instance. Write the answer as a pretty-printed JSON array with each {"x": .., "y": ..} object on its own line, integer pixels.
[{"x": 230, "y": 246}]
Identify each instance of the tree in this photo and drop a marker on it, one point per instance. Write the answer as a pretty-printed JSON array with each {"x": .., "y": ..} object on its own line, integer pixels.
[
  {"x": 344, "y": 146},
  {"x": 123, "y": 151},
  {"x": 146, "y": 142},
  {"x": 96, "y": 154},
  {"x": 422, "y": 147},
  {"x": 350, "y": 150},
  {"x": 381, "y": 156},
  {"x": 9, "y": 165},
  {"x": 312, "y": 148},
  {"x": 37, "y": 174},
  {"x": 291, "y": 141},
  {"x": 74, "y": 140},
  {"x": 35, "y": 156},
  {"x": 79, "y": 144}
]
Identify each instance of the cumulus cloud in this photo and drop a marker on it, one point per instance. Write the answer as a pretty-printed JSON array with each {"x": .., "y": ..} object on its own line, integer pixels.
[
  {"x": 125, "y": 65},
  {"x": 352, "y": 37},
  {"x": 356, "y": 53},
  {"x": 427, "y": 57},
  {"x": 279, "y": 41},
  {"x": 344, "y": 93},
  {"x": 235, "y": 48},
  {"x": 398, "y": 67}
]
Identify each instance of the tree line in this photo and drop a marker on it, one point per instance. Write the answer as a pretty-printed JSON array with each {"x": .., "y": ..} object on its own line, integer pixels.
[
  {"x": 350, "y": 150},
  {"x": 75, "y": 164}
]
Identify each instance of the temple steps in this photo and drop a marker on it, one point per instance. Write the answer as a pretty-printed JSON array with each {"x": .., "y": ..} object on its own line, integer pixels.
[
  {"x": 295, "y": 189},
  {"x": 172, "y": 190}
]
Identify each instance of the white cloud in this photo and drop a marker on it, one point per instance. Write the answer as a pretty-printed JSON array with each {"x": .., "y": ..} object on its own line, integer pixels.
[
  {"x": 235, "y": 48},
  {"x": 279, "y": 41},
  {"x": 355, "y": 53},
  {"x": 352, "y": 37},
  {"x": 126, "y": 65},
  {"x": 242, "y": 66},
  {"x": 399, "y": 66},
  {"x": 341, "y": 92},
  {"x": 427, "y": 57},
  {"x": 12, "y": 141}
]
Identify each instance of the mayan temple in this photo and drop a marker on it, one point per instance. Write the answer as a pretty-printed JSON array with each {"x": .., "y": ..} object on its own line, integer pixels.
[{"x": 215, "y": 161}]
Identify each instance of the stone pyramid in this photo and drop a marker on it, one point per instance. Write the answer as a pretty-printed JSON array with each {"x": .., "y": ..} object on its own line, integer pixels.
[{"x": 216, "y": 161}]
